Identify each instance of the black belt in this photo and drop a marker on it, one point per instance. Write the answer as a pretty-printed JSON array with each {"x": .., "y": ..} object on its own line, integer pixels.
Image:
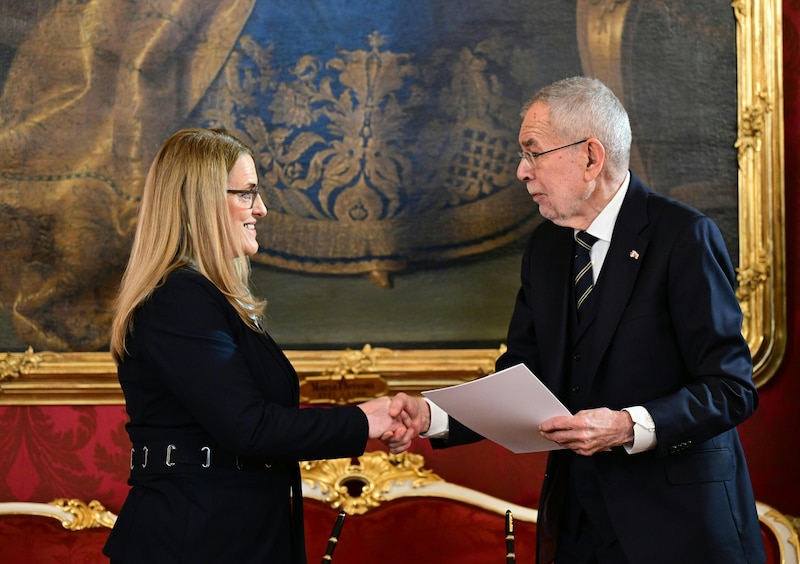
[{"x": 181, "y": 457}]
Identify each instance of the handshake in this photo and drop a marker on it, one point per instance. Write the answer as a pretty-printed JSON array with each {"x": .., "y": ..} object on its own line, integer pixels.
[{"x": 396, "y": 421}]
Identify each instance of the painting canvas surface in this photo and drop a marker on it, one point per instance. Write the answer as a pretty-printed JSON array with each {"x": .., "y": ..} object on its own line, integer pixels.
[{"x": 385, "y": 136}]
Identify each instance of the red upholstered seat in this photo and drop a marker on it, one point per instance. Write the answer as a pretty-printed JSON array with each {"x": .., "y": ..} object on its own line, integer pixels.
[
  {"x": 32, "y": 539},
  {"x": 397, "y": 512},
  {"x": 417, "y": 530},
  {"x": 436, "y": 530}
]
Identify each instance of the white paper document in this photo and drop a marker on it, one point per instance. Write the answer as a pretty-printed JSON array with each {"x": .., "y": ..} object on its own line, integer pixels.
[{"x": 505, "y": 407}]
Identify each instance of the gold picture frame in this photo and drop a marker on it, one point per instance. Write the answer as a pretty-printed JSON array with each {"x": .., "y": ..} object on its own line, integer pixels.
[{"x": 36, "y": 378}]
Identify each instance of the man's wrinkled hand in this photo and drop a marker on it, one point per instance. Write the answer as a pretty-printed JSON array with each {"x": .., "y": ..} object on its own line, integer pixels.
[{"x": 589, "y": 431}]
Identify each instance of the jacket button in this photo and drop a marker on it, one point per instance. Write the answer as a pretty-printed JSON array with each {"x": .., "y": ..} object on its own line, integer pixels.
[
  {"x": 576, "y": 357},
  {"x": 576, "y": 389}
]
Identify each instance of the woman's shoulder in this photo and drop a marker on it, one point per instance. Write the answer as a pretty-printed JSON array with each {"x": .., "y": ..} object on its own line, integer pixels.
[
  {"x": 187, "y": 276},
  {"x": 186, "y": 285},
  {"x": 186, "y": 298}
]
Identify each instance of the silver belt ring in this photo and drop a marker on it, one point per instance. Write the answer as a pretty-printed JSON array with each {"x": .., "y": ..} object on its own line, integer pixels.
[
  {"x": 170, "y": 448},
  {"x": 207, "y": 463}
]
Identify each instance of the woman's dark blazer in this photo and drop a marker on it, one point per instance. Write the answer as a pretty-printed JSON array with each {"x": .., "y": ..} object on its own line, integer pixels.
[
  {"x": 225, "y": 398},
  {"x": 667, "y": 336}
]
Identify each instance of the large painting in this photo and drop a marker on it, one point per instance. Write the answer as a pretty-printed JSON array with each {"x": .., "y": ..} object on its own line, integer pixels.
[{"x": 385, "y": 136}]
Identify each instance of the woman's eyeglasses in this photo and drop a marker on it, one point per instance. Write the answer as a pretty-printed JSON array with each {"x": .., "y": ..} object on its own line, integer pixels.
[{"x": 246, "y": 198}]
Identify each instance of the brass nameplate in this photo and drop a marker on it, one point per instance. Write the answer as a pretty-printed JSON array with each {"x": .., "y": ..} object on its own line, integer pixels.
[{"x": 339, "y": 389}]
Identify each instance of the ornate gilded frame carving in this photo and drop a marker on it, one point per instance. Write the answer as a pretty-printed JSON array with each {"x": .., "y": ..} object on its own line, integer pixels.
[
  {"x": 379, "y": 477},
  {"x": 74, "y": 514},
  {"x": 762, "y": 226},
  {"x": 90, "y": 378}
]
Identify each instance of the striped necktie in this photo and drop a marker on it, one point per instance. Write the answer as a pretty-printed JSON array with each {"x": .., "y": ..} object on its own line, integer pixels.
[{"x": 582, "y": 267}]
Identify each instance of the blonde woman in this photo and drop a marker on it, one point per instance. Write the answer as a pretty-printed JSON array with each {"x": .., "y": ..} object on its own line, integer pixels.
[{"x": 215, "y": 425}]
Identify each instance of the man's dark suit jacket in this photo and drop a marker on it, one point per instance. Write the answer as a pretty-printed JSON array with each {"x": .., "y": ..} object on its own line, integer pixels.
[
  {"x": 196, "y": 375},
  {"x": 667, "y": 336}
]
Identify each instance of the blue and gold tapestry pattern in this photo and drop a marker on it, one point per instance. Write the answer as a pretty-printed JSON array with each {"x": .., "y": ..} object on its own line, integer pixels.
[{"x": 385, "y": 132}]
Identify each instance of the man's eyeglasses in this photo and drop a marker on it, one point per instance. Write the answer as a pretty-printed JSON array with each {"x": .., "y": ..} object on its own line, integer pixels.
[
  {"x": 246, "y": 198},
  {"x": 530, "y": 158}
]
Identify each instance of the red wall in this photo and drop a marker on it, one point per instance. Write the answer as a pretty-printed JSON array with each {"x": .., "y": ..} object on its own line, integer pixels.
[{"x": 49, "y": 452}]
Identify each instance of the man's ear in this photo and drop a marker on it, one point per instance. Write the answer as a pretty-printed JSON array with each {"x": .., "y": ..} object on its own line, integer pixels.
[{"x": 595, "y": 158}]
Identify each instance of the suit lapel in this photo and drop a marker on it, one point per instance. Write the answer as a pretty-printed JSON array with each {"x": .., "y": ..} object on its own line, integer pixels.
[
  {"x": 550, "y": 267},
  {"x": 625, "y": 256}
]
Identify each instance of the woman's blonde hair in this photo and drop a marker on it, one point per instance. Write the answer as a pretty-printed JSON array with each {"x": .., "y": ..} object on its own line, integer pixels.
[{"x": 184, "y": 220}]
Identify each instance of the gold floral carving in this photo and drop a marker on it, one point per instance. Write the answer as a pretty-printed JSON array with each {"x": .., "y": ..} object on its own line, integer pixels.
[
  {"x": 355, "y": 362},
  {"x": 752, "y": 124},
  {"x": 795, "y": 527},
  {"x": 74, "y": 514},
  {"x": 356, "y": 488},
  {"x": 84, "y": 516},
  {"x": 13, "y": 365}
]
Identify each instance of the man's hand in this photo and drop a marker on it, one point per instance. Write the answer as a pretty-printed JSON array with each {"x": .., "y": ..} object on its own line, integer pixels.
[
  {"x": 590, "y": 431},
  {"x": 414, "y": 415}
]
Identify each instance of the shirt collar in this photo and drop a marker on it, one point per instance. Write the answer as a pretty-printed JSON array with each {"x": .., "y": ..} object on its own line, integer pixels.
[{"x": 603, "y": 225}]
